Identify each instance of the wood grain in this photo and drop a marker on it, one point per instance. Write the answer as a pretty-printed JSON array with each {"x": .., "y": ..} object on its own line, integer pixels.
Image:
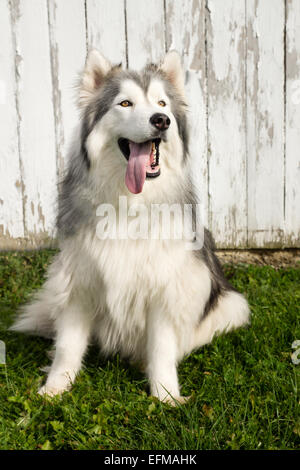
[
  {"x": 227, "y": 122},
  {"x": 106, "y": 29},
  {"x": 11, "y": 194},
  {"x": 145, "y": 32},
  {"x": 265, "y": 122},
  {"x": 36, "y": 121},
  {"x": 292, "y": 173},
  {"x": 67, "y": 54}
]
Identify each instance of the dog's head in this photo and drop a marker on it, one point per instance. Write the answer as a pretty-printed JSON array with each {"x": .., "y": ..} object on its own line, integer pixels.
[{"x": 136, "y": 119}]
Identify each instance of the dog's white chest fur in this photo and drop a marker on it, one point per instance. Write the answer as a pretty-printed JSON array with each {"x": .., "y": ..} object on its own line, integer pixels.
[{"x": 134, "y": 277}]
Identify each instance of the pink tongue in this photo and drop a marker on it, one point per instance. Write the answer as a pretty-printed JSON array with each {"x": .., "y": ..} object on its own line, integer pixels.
[{"x": 136, "y": 167}]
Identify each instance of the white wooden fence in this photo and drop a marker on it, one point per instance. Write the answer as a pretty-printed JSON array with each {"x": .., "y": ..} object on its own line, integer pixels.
[{"x": 243, "y": 79}]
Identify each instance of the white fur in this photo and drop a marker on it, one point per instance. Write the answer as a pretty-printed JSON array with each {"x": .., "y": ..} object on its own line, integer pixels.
[
  {"x": 173, "y": 70},
  {"x": 143, "y": 298},
  {"x": 96, "y": 68}
]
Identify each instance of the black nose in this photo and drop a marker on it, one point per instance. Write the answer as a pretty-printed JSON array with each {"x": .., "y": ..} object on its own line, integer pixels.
[{"x": 160, "y": 121}]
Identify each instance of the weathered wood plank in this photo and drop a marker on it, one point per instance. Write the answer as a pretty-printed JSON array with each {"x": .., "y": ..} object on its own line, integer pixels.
[
  {"x": 37, "y": 137},
  {"x": 265, "y": 122},
  {"x": 11, "y": 207},
  {"x": 185, "y": 32},
  {"x": 68, "y": 54},
  {"x": 292, "y": 181},
  {"x": 227, "y": 122},
  {"x": 145, "y": 32},
  {"x": 106, "y": 28}
]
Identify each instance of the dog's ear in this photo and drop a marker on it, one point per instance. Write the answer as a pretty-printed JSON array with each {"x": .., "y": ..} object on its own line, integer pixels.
[
  {"x": 172, "y": 68},
  {"x": 96, "y": 68}
]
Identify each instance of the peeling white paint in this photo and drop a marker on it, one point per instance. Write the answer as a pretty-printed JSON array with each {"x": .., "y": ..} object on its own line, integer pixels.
[
  {"x": 265, "y": 119},
  {"x": 145, "y": 32},
  {"x": 68, "y": 54},
  {"x": 35, "y": 108},
  {"x": 245, "y": 118},
  {"x": 227, "y": 122},
  {"x": 106, "y": 29},
  {"x": 11, "y": 209},
  {"x": 292, "y": 170}
]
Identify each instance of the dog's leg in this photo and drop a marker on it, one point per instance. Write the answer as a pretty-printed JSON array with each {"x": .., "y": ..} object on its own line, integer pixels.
[
  {"x": 73, "y": 328},
  {"x": 162, "y": 358}
]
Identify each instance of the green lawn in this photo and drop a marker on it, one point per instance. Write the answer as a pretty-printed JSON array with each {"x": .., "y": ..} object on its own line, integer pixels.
[{"x": 244, "y": 385}]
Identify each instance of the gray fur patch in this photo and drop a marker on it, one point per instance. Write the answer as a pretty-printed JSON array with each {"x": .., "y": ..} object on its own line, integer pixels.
[
  {"x": 219, "y": 283},
  {"x": 73, "y": 210}
]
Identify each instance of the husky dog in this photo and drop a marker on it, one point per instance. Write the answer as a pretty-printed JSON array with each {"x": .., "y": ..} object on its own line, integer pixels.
[{"x": 151, "y": 300}]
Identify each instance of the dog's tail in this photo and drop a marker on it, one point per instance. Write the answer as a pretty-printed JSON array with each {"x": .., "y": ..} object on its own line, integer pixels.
[
  {"x": 38, "y": 317},
  {"x": 231, "y": 312},
  {"x": 35, "y": 319}
]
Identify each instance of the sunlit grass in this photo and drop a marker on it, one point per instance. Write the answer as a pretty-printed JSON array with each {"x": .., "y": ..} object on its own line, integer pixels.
[{"x": 244, "y": 385}]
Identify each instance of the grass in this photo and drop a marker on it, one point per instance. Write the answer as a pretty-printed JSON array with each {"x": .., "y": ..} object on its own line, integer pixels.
[{"x": 244, "y": 385}]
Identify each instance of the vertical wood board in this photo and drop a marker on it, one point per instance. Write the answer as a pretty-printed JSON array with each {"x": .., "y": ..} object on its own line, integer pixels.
[
  {"x": 36, "y": 125},
  {"x": 292, "y": 173},
  {"x": 68, "y": 54},
  {"x": 11, "y": 202},
  {"x": 145, "y": 32},
  {"x": 106, "y": 28},
  {"x": 227, "y": 122},
  {"x": 265, "y": 122}
]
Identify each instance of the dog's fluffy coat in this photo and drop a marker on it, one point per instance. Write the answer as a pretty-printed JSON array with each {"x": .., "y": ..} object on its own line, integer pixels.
[{"x": 151, "y": 300}]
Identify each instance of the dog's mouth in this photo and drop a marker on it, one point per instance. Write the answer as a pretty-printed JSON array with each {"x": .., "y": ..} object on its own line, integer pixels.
[{"x": 143, "y": 162}]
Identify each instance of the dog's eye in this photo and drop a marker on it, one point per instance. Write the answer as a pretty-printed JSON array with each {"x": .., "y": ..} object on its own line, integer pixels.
[
  {"x": 162, "y": 103},
  {"x": 125, "y": 103}
]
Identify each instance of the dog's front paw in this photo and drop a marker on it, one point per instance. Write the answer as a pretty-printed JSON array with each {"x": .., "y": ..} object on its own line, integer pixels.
[
  {"x": 56, "y": 385},
  {"x": 49, "y": 391},
  {"x": 175, "y": 401}
]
